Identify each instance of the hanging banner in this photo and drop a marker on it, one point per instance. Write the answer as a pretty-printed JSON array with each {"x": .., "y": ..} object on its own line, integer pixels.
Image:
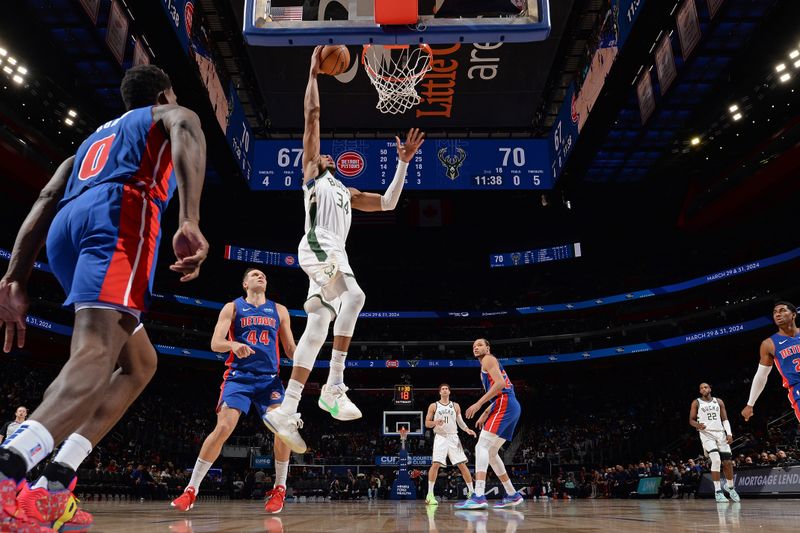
[
  {"x": 688, "y": 27},
  {"x": 713, "y": 7},
  {"x": 647, "y": 100},
  {"x": 665, "y": 63},
  {"x": 140, "y": 55},
  {"x": 117, "y": 32}
]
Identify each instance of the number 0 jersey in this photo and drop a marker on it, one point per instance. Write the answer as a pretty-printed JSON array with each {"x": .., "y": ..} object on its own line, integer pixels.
[
  {"x": 129, "y": 150},
  {"x": 256, "y": 326},
  {"x": 787, "y": 358}
]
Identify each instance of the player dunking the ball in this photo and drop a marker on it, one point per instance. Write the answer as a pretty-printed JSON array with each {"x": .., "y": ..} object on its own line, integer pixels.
[
  {"x": 333, "y": 293},
  {"x": 782, "y": 347},
  {"x": 248, "y": 329},
  {"x": 103, "y": 209},
  {"x": 442, "y": 417},
  {"x": 709, "y": 417},
  {"x": 498, "y": 422}
]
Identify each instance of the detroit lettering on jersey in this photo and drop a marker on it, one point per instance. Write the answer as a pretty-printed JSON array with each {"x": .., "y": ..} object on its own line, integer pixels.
[
  {"x": 787, "y": 358},
  {"x": 246, "y": 321},
  {"x": 130, "y": 150},
  {"x": 791, "y": 350}
]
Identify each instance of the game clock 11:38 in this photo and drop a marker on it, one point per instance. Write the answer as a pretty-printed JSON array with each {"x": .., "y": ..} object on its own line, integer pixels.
[{"x": 403, "y": 395}]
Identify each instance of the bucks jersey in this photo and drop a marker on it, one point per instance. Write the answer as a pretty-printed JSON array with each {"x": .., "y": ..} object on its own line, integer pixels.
[
  {"x": 327, "y": 203},
  {"x": 709, "y": 414},
  {"x": 447, "y": 414}
]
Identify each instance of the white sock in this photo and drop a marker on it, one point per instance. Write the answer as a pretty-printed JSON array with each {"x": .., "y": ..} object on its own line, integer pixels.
[
  {"x": 480, "y": 485},
  {"x": 336, "y": 373},
  {"x": 717, "y": 486},
  {"x": 430, "y": 486},
  {"x": 509, "y": 487},
  {"x": 291, "y": 397},
  {"x": 74, "y": 450},
  {"x": 470, "y": 488},
  {"x": 32, "y": 441},
  {"x": 729, "y": 483},
  {"x": 200, "y": 470},
  {"x": 281, "y": 470}
]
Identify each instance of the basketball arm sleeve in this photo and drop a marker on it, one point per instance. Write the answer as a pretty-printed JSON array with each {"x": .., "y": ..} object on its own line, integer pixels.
[
  {"x": 390, "y": 198},
  {"x": 460, "y": 421},
  {"x": 727, "y": 425},
  {"x": 759, "y": 381}
]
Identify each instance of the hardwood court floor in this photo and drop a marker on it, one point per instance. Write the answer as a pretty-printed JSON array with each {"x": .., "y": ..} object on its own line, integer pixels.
[{"x": 356, "y": 517}]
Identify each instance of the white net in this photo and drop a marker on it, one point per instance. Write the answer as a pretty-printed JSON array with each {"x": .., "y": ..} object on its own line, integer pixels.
[{"x": 395, "y": 72}]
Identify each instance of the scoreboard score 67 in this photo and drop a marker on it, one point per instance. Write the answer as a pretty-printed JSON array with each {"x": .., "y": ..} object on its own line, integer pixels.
[{"x": 439, "y": 164}]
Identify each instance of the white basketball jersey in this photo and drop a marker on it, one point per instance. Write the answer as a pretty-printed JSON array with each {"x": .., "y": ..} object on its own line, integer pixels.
[
  {"x": 327, "y": 203},
  {"x": 446, "y": 413},
  {"x": 708, "y": 413}
]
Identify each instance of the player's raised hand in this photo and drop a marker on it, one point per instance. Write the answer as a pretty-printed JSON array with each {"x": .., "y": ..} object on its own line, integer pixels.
[
  {"x": 316, "y": 60},
  {"x": 747, "y": 412},
  {"x": 191, "y": 249},
  {"x": 414, "y": 139},
  {"x": 472, "y": 409},
  {"x": 13, "y": 308},
  {"x": 242, "y": 351}
]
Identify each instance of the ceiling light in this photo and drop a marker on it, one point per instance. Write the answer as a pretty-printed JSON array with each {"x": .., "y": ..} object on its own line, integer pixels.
[
  {"x": 22, "y": 70},
  {"x": 781, "y": 67},
  {"x": 695, "y": 141},
  {"x": 7, "y": 69},
  {"x": 786, "y": 77},
  {"x": 72, "y": 113},
  {"x": 12, "y": 60},
  {"x": 797, "y": 64},
  {"x": 737, "y": 116},
  {"x": 17, "y": 78},
  {"x": 68, "y": 121},
  {"x": 3, "y": 52},
  {"x": 734, "y": 108},
  {"x": 793, "y": 54}
]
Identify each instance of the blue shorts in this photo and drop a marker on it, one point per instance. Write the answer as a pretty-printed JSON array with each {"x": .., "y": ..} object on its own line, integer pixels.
[
  {"x": 103, "y": 246},
  {"x": 240, "y": 389},
  {"x": 503, "y": 416}
]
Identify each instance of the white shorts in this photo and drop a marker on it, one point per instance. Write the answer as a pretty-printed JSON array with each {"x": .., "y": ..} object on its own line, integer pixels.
[
  {"x": 324, "y": 263},
  {"x": 715, "y": 440},
  {"x": 445, "y": 446}
]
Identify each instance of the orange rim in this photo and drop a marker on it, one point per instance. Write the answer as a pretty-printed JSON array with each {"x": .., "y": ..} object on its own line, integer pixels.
[{"x": 426, "y": 48}]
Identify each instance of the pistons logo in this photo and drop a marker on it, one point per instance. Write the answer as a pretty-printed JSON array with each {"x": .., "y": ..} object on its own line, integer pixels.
[
  {"x": 289, "y": 260},
  {"x": 350, "y": 164},
  {"x": 392, "y": 363},
  {"x": 188, "y": 15},
  {"x": 275, "y": 395}
]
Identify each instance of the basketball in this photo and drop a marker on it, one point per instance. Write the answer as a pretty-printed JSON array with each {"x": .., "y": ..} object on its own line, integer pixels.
[{"x": 334, "y": 59}]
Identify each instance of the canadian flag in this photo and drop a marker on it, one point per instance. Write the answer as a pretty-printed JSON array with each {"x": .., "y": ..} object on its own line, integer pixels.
[{"x": 430, "y": 213}]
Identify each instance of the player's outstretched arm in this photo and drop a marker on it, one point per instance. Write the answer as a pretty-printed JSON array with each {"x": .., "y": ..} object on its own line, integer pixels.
[
  {"x": 188, "y": 146},
  {"x": 460, "y": 421},
  {"x": 368, "y": 201},
  {"x": 311, "y": 113},
  {"x": 285, "y": 332},
  {"x": 220, "y": 341},
  {"x": 28, "y": 244},
  {"x": 765, "y": 363}
]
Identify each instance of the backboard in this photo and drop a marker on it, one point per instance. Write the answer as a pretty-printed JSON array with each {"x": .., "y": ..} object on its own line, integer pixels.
[
  {"x": 411, "y": 420},
  {"x": 313, "y": 22}
]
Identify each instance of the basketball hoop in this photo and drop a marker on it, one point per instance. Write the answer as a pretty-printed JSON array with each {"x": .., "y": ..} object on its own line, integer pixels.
[
  {"x": 395, "y": 71},
  {"x": 403, "y": 435}
]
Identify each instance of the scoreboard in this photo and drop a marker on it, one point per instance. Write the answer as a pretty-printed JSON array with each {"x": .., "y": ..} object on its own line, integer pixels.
[
  {"x": 440, "y": 164},
  {"x": 539, "y": 255},
  {"x": 403, "y": 395}
]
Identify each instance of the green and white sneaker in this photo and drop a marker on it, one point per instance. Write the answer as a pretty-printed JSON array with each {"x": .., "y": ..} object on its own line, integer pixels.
[
  {"x": 720, "y": 497},
  {"x": 734, "y": 496},
  {"x": 334, "y": 400},
  {"x": 430, "y": 499}
]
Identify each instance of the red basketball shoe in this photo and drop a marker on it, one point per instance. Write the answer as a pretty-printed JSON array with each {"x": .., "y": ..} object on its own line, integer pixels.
[
  {"x": 185, "y": 501},
  {"x": 55, "y": 509},
  {"x": 275, "y": 499},
  {"x": 12, "y": 518}
]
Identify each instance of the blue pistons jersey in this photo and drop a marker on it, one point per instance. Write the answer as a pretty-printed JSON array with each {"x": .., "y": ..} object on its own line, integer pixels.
[
  {"x": 505, "y": 410},
  {"x": 256, "y": 326},
  {"x": 787, "y": 358}
]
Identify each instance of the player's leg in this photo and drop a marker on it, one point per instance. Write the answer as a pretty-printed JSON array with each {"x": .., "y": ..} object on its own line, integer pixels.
[
  {"x": 727, "y": 467},
  {"x": 433, "y": 471},
  {"x": 334, "y": 393},
  {"x": 268, "y": 397},
  {"x": 465, "y": 473},
  {"x": 712, "y": 450},
  {"x": 137, "y": 365},
  {"x": 285, "y": 420},
  {"x": 457, "y": 457},
  {"x": 482, "y": 450}
]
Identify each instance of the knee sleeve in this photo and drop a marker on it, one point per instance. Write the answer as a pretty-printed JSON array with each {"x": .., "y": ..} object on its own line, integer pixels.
[
  {"x": 352, "y": 299},
  {"x": 319, "y": 318},
  {"x": 483, "y": 450},
  {"x": 716, "y": 461}
]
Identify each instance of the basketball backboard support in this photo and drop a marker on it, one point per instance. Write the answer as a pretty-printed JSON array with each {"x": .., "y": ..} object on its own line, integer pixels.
[
  {"x": 307, "y": 23},
  {"x": 411, "y": 420}
]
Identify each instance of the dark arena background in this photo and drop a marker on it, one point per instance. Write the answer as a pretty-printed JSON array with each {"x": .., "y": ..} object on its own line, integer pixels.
[{"x": 608, "y": 192}]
